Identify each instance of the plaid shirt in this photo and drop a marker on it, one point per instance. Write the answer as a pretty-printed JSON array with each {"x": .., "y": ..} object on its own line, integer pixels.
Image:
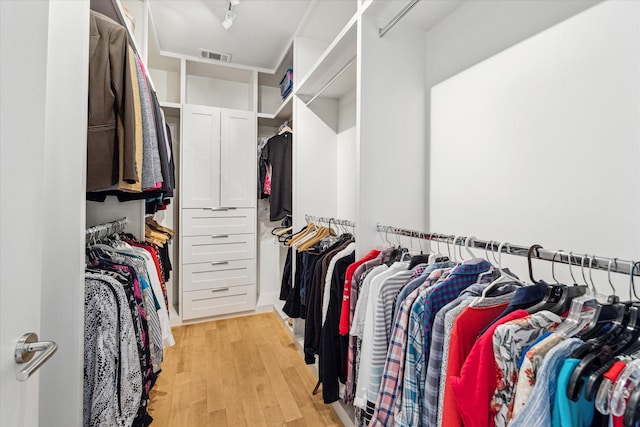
[
  {"x": 391, "y": 386},
  {"x": 423, "y": 312}
]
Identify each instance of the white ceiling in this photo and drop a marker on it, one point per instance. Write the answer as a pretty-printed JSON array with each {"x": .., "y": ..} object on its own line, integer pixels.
[
  {"x": 260, "y": 35},
  {"x": 263, "y": 29}
]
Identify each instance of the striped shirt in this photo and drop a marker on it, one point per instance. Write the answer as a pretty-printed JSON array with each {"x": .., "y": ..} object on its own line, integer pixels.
[
  {"x": 356, "y": 283},
  {"x": 391, "y": 384},
  {"x": 382, "y": 326}
]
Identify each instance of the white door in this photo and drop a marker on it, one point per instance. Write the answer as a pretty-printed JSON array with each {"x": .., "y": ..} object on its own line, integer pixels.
[
  {"x": 200, "y": 157},
  {"x": 43, "y": 96},
  {"x": 238, "y": 159}
]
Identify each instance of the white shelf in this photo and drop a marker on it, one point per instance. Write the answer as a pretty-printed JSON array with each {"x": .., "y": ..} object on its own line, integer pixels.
[
  {"x": 334, "y": 74},
  {"x": 171, "y": 108},
  {"x": 284, "y": 112}
]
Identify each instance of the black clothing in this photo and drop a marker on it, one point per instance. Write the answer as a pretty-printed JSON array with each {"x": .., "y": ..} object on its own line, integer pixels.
[
  {"x": 334, "y": 347},
  {"x": 315, "y": 297},
  {"x": 279, "y": 153}
]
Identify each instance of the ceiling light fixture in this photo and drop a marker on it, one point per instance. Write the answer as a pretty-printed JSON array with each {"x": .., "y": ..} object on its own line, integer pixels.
[{"x": 230, "y": 16}]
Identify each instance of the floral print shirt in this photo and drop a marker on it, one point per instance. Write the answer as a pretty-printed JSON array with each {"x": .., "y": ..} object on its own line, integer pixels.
[
  {"x": 529, "y": 370},
  {"x": 509, "y": 340}
]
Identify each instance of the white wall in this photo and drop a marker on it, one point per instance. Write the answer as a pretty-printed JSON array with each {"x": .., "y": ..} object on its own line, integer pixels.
[
  {"x": 539, "y": 144},
  {"x": 61, "y": 385},
  {"x": 306, "y": 53},
  {"x": 217, "y": 93},
  {"x": 167, "y": 84},
  {"x": 346, "y": 160},
  {"x": 392, "y": 185},
  {"x": 314, "y": 162},
  {"x": 269, "y": 99},
  {"x": 479, "y": 29}
]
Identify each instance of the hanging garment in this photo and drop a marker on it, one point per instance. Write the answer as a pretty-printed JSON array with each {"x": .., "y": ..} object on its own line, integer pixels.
[
  {"x": 532, "y": 359},
  {"x": 333, "y": 348},
  {"x": 356, "y": 284},
  {"x": 368, "y": 332},
  {"x": 468, "y": 321},
  {"x": 423, "y": 312},
  {"x": 537, "y": 411},
  {"x": 473, "y": 388},
  {"x": 110, "y": 91},
  {"x": 112, "y": 375},
  {"x": 279, "y": 154},
  {"x": 317, "y": 292},
  {"x": 387, "y": 401}
]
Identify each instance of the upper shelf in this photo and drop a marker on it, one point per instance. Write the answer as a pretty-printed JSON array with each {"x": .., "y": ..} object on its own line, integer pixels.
[
  {"x": 284, "y": 112},
  {"x": 334, "y": 74}
]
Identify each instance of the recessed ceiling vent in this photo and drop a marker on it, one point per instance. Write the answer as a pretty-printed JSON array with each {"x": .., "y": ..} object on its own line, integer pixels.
[{"x": 217, "y": 56}]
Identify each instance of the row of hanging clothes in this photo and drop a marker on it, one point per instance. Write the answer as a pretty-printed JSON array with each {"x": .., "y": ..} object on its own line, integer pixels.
[
  {"x": 453, "y": 340},
  {"x": 275, "y": 172},
  {"x": 313, "y": 291},
  {"x": 129, "y": 144},
  {"x": 126, "y": 322}
]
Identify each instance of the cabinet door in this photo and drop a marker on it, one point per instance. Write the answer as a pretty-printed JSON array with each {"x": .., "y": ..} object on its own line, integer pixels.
[
  {"x": 200, "y": 157},
  {"x": 238, "y": 159}
]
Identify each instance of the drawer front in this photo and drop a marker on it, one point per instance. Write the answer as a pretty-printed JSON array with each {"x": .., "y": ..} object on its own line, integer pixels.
[
  {"x": 214, "y": 302},
  {"x": 218, "y": 247},
  {"x": 199, "y": 222},
  {"x": 219, "y": 274}
]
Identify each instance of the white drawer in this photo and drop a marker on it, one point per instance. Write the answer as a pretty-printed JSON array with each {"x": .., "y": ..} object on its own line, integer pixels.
[
  {"x": 214, "y": 302},
  {"x": 199, "y": 222},
  {"x": 218, "y": 274},
  {"x": 218, "y": 247}
]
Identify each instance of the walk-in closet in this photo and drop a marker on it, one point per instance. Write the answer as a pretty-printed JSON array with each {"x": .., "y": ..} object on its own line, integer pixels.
[{"x": 414, "y": 213}]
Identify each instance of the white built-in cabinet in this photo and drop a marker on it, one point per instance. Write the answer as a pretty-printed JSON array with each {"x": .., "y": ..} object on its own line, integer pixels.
[
  {"x": 218, "y": 197},
  {"x": 219, "y": 161}
]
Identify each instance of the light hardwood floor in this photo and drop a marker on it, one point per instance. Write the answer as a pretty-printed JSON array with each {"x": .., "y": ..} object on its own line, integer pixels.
[{"x": 243, "y": 371}]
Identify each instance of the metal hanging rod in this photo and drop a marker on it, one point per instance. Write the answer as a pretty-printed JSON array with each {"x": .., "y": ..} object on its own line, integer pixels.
[
  {"x": 333, "y": 79},
  {"x": 382, "y": 31},
  {"x": 101, "y": 231},
  {"x": 311, "y": 218},
  {"x": 561, "y": 256}
]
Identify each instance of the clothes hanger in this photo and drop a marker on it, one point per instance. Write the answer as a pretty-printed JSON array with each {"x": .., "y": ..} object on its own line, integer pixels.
[
  {"x": 598, "y": 353},
  {"x": 433, "y": 258},
  {"x": 492, "y": 266},
  {"x": 504, "y": 277},
  {"x": 418, "y": 258},
  {"x": 285, "y": 128},
  {"x": 554, "y": 291},
  {"x": 568, "y": 294},
  {"x": 311, "y": 227},
  {"x": 473, "y": 259}
]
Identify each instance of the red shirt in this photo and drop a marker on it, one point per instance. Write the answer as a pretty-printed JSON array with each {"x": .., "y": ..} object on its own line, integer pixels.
[
  {"x": 346, "y": 293},
  {"x": 465, "y": 330},
  {"x": 474, "y": 387},
  {"x": 613, "y": 374}
]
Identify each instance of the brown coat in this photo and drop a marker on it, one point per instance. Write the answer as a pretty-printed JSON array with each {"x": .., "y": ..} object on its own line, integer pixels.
[{"x": 111, "y": 103}]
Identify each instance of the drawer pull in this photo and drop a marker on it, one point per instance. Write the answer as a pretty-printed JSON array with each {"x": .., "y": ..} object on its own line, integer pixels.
[
  {"x": 220, "y": 290},
  {"x": 220, "y": 236},
  {"x": 219, "y": 209},
  {"x": 220, "y": 263}
]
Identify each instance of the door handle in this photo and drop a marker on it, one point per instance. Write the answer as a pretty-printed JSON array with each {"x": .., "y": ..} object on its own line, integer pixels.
[{"x": 26, "y": 348}]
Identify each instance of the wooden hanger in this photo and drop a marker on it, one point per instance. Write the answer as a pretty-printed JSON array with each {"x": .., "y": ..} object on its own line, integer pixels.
[{"x": 298, "y": 237}]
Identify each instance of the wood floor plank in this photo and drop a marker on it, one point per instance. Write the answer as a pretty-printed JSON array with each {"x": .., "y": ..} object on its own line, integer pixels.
[{"x": 236, "y": 372}]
